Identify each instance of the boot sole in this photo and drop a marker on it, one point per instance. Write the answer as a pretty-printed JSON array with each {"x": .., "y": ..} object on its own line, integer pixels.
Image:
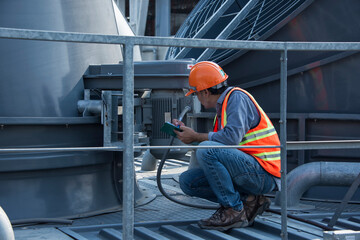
[
  {"x": 225, "y": 228},
  {"x": 260, "y": 211}
]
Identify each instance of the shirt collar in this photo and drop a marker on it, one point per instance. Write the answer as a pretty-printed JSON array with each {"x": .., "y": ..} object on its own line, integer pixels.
[{"x": 221, "y": 98}]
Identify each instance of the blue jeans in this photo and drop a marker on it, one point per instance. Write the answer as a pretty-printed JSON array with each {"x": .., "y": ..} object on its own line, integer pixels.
[{"x": 226, "y": 176}]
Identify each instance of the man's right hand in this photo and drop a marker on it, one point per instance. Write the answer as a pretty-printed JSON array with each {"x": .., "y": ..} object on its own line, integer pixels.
[{"x": 188, "y": 135}]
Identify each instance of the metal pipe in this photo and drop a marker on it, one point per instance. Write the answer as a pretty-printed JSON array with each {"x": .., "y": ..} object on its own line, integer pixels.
[
  {"x": 128, "y": 155},
  {"x": 89, "y": 106},
  {"x": 305, "y": 176},
  {"x": 201, "y": 147},
  {"x": 308, "y": 145},
  {"x": 13, "y": 33},
  {"x": 65, "y": 149},
  {"x": 283, "y": 107}
]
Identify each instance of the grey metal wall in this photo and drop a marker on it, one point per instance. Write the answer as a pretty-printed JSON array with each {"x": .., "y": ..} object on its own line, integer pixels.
[
  {"x": 40, "y": 84},
  {"x": 323, "y": 96}
]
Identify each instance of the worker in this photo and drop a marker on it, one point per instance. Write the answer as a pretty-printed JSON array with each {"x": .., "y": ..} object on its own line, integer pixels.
[{"x": 236, "y": 178}]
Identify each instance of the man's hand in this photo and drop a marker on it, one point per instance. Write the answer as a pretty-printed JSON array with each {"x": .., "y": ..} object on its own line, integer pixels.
[
  {"x": 178, "y": 123},
  {"x": 188, "y": 135}
]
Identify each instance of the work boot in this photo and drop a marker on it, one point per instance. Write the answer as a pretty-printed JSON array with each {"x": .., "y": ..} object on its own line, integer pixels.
[
  {"x": 224, "y": 219},
  {"x": 256, "y": 207}
]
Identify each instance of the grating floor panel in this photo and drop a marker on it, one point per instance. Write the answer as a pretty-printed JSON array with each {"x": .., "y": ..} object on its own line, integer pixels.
[
  {"x": 263, "y": 229},
  {"x": 163, "y": 219}
]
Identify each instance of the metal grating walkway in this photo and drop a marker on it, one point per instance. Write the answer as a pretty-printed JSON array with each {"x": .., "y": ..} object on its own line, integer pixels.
[
  {"x": 163, "y": 219},
  {"x": 263, "y": 229}
]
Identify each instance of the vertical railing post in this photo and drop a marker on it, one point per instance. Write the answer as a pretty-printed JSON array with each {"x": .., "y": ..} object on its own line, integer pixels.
[
  {"x": 128, "y": 138},
  {"x": 283, "y": 109}
]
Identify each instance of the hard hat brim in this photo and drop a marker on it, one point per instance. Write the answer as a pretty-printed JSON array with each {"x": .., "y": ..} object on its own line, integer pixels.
[{"x": 189, "y": 93}]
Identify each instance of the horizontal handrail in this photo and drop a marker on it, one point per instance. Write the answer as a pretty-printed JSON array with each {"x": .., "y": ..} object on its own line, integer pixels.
[
  {"x": 291, "y": 145},
  {"x": 58, "y": 36}
]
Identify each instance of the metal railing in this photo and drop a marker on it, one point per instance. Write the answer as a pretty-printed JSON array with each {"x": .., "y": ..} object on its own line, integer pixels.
[{"x": 128, "y": 147}]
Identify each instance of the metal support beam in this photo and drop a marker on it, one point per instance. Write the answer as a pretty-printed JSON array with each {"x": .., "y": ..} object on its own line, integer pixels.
[
  {"x": 128, "y": 155},
  {"x": 283, "y": 108},
  {"x": 142, "y": 17},
  {"x": 138, "y": 15},
  {"x": 302, "y": 137},
  {"x": 162, "y": 17},
  {"x": 121, "y": 6},
  {"x": 350, "y": 193},
  {"x": 133, "y": 14},
  {"x": 110, "y": 117}
]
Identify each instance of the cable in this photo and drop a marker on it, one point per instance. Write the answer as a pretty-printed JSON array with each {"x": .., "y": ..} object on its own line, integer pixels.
[
  {"x": 40, "y": 220},
  {"x": 162, "y": 162}
]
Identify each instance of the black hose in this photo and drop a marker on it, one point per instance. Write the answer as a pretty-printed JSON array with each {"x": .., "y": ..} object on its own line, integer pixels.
[
  {"x": 40, "y": 220},
  {"x": 162, "y": 162}
]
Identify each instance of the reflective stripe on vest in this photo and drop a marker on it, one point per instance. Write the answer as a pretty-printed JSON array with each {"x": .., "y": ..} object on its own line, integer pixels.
[
  {"x": 263, "y": 134},
  {"x": 249, "y": 137},
  {"x": 268, "y": 156}
]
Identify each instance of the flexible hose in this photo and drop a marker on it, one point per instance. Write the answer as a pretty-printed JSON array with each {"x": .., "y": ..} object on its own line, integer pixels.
[
  {"x": 41, "y": 220},
  {"x": 162, "y": 162}
]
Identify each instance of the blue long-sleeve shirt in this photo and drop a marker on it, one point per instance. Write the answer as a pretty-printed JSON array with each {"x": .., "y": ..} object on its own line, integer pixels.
[{"x": 242, "y": 115}]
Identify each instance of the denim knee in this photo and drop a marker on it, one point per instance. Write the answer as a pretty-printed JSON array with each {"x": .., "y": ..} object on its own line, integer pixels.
[
  {"x": 201, "y": 152},
  {"x": 185, "y": 183}
]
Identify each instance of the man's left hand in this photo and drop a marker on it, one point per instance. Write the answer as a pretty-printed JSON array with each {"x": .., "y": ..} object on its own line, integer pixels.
[{"x": 188, "y": 135}]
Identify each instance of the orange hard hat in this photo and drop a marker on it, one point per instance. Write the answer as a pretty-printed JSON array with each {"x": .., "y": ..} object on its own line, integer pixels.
[{"x": 205, "y": 75}]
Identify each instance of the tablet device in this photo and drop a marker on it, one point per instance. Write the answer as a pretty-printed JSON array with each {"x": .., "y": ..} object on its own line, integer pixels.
[{"x": 169, "y": 127}]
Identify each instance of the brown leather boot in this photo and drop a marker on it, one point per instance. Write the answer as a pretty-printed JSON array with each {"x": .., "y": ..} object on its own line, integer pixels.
[
  {"x": 256, "y": 207},
  {"x": 224, "y": 219}
]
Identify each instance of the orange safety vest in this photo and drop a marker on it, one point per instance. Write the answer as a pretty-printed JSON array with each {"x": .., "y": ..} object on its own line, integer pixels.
[{"x": 263, "y": 134}]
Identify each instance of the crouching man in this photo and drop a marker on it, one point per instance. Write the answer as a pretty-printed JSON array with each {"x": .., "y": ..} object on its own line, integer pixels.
[{"x": 234, "y": 178}]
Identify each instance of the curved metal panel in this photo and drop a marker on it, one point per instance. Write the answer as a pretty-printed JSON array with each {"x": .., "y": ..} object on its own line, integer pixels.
[
  {"x": 44, "y": 79},
  {"x": 40, "y": 85}
]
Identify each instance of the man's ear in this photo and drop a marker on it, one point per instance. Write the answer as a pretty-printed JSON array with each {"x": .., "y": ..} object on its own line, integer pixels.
[{"x": 206, "y": 92}]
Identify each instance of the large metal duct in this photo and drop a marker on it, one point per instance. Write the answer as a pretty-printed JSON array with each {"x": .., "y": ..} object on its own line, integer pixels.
[
  {"x": 40, "y": 85},
  {"x": 312, "y": 174}
]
